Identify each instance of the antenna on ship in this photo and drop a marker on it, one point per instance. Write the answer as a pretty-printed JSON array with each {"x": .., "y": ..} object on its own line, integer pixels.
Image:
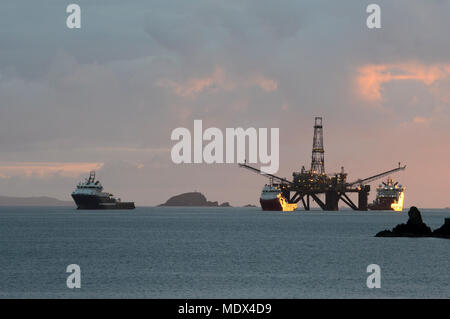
[{"x": 91, "y": 177}]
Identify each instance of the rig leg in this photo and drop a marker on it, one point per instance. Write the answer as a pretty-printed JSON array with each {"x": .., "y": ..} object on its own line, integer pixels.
[
  {"x": 286, "y": 194},
  {"x": 295, "y": 199},
  {"x": 318, "y": 201},
  {"x": 304, "y": 203},
  {"x": 362, "y": 197},
  {"x": 331, "y": 200},
  {"x": 348, "y": 201}
]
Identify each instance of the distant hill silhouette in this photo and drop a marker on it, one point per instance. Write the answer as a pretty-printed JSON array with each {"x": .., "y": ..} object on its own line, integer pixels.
[
  {"x": 33, "y": 201},
  {"x": 192, "y": 199}
]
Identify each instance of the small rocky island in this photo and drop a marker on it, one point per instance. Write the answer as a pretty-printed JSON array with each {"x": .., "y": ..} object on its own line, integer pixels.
[
  {"x": 415, "y": 227},
  {"x": 193, "y": 199},
  {"x": 444, "y": 230}
]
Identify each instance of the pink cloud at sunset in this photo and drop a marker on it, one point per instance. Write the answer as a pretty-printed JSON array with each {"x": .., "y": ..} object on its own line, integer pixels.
[
  {"x": 196, "y": 85},
  {"x": 217, "y": 80},
  {"x": 45, "y": 169},
  {"x": 422, "y": 120},
  {"x": 372, "y": 77}
]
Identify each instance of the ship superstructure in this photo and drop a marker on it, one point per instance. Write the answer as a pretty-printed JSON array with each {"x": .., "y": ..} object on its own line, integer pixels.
[
  {"x": 390, "y": 196},
  {"x": 89, "y": 194}
]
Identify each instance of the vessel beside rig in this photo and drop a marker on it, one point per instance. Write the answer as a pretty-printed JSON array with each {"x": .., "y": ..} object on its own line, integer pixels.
[
  {"x": 390, "y": 196},
  {"x": 273, "y": 199},
  {"x": 89, "y": 195}
]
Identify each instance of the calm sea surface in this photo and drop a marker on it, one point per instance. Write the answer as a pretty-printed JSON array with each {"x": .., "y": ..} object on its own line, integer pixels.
[{"x": 217, "y": 253}]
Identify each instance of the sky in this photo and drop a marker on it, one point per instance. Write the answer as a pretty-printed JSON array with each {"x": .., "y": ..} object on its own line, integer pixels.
[{"x": 108, "y": 95}]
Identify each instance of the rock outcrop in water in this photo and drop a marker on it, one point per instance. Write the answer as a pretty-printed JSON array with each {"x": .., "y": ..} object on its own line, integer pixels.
[
  {"x": 225, "y": 204},
  {"x": 414, "y": 227},
  {"x": 196, "y": 199},
  {"x": 444, "y": 230}
]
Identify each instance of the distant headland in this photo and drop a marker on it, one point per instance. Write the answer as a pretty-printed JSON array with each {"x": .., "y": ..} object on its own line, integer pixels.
[
  {"x": 196, "y": 199},
  {"x": 33, "y": 201}
]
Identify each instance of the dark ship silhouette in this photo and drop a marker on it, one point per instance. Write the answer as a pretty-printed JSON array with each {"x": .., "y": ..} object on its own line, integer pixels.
[{"x": 89, "y": 195}]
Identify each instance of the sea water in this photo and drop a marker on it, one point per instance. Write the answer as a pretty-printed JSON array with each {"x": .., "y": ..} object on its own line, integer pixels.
[{"x": 217, "y": 253}]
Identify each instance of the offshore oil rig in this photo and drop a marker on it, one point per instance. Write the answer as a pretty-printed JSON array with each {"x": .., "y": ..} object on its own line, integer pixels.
[{"x": 307, "y": 185}]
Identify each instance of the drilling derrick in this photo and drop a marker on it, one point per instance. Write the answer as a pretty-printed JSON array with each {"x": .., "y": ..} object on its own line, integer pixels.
[{"x": 318, "y": 158}]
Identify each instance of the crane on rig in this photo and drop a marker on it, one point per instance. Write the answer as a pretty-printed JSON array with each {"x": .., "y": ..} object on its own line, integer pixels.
[
  {"x": 307, "y": 185},
  {"x": 270, "y": 176},
  {"x": 378, "y": 176}
]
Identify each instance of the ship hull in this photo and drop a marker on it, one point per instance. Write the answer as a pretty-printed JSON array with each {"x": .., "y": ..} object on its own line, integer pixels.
[
  {"x": 97, "y": 202},
  {"x": 272, "y": 199},
  {"x": 277, "y": 204},
  {"x": 382, "y": 204},
  {"x": 271, "y": 204}
]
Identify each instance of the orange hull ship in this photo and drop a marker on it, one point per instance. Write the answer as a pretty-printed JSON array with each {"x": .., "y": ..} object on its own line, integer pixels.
[{"x": 272, "y": 199}]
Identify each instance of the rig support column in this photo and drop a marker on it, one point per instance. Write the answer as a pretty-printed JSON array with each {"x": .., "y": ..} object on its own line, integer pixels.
[
  {"x": 331, "y": 200},
  {"x": 286, "y": 194},
  {"x": 362, "y": 197}
]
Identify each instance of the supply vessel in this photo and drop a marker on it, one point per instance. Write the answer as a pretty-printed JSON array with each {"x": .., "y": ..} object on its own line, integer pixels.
[
  {"x": 89, "y": 194},
  {"x": 390, "y": 196},
  {"x": 273, "y": 199}
]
